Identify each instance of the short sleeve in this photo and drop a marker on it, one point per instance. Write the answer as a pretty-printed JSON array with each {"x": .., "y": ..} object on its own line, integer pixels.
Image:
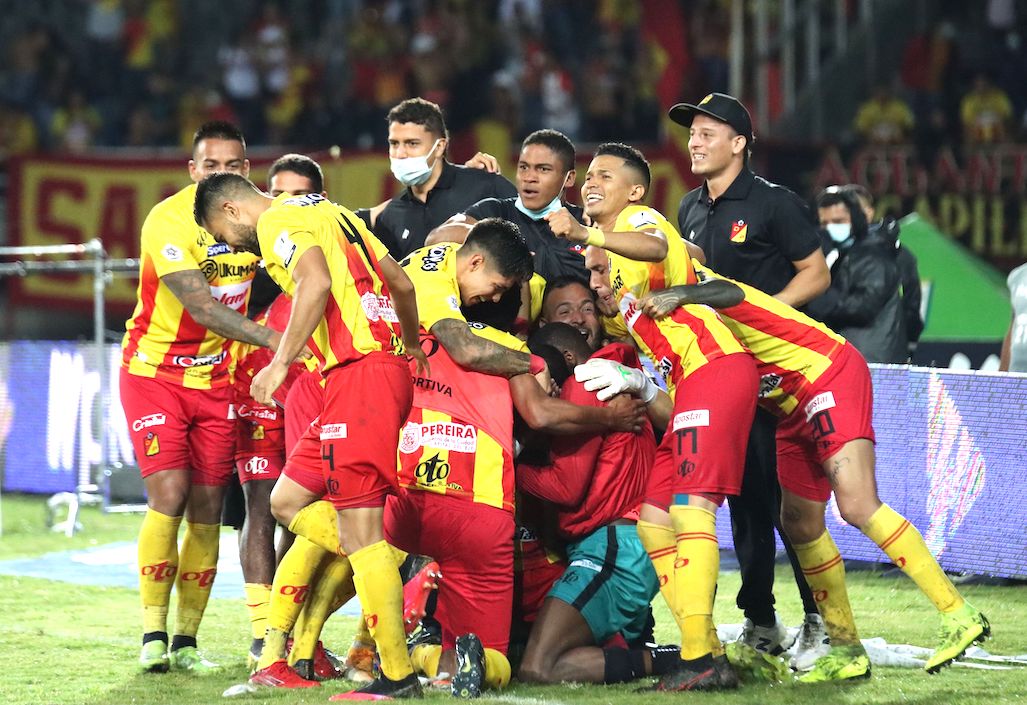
[
  {"x": 168, "y": 241},
  {"x": 432, "y": 272},
  {"x": 792, "y": 228},
  {"x": 281, "y": 242}
]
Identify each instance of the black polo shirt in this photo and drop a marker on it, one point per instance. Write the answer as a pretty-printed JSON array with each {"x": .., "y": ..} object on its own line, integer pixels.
[
  {"x": 554, "y": 257},
  {"x": 752, "y": 233},
  {"x": 403, "y": 225}
]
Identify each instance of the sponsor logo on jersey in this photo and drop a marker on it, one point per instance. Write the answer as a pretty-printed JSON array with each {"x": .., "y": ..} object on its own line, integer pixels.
[
  {"x": 309, "y": 199},
  {"x": 738, "y": 231},
  {"x": 768, "y": 383},
  {"x": 433, "y": 258},
  {"x": 333, "y": 431},
  {"x": 445, "y": 435},
  {"x": 378, "y": 308},
  {"x": 821, "y": 402},
  {"x": 692, "y": 419},
  {"x": 148, "y": 421},
  {"x": 159, "y": 571},
  {"x": 629, "y": 309},
  {"x": 587, "y": 564},
  {"x": 215, "y": 271},
  {"x": 431, "y": 471},
  {"x": 284, "y": 248},
  {"x": 256, "y": 466},
  {"x": 257, "y": 412},
  {"x": 218, "y": 250},
  {"x": 172, "y": 253},
  {"x": 298, "y": 593},
  {"x": 198, "y": 360},
  {"x": 203, "y": 578},
  {"x": 431, "y": 385}
]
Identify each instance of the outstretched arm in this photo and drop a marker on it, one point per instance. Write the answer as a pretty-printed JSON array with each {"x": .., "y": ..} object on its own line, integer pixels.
[
  {"x": 646, "y": 245},
  {"x": 553, "y": 415},
  {"x": 401, "y": 290},
  {"x": 478, "y": 354},
  {"x": 717, "y": 293},
  {"x": 192, "y": 289}
]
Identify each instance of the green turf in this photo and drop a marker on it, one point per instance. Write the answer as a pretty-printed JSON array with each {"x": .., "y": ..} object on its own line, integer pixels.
[{"x": 63, "y": 643}]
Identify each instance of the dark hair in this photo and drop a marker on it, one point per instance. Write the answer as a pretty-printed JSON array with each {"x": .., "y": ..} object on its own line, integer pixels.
[
  {"x": 420, "y": 112},
  {"x": 860, "y": 191},
  {"x": 299, "y": 164},
  {"x": 562, "y": 337},
  {"x": 216, "y": 187},
  {"x": 834, "y": 195},
  {"x": 559, "y": 370},
  {"x": 502, "y": 241},
  {"x": 219, "y": 130},
  {"x": 557, "y": 142},
  {"x": 565, "y": 280},
  {"x": 631, "y": 156}
]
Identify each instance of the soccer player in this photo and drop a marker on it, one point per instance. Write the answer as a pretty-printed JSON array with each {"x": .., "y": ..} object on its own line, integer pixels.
[
  {"x": 348, "y": 297},
  {"x": 596, "y": 483},
  {"x": 820, "y": 388},
  {"x": 568, "y": 300},
  {"x": 175, "y": 389},
  {"x": 712, "y": 380}
]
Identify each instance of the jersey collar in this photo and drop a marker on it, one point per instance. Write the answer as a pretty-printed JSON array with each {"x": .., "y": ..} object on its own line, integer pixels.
[
  {"x": 737, "y": 191},
  {"x": 446, "y": 180}
]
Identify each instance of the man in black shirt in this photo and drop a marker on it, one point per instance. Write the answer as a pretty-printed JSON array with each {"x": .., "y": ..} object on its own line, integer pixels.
[
  {"x": 435, "y": 188},
  {"x": 762, "y": 234}
]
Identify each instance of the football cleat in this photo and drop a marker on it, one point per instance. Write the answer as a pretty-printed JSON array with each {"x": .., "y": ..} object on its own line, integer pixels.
[
  {"x": 753, "y": 666},
  {"x": 811, "y": 643},
  {"x": 694, "y": 674},
  {"x": 841, "y": 663},
  {"x": 959, "y": 630},
  {"x": 188, "y": 659},
  {"x": 281, "y": 675},
  {"x": 154, "y": 657},
  {"x": 382, "y": 688},
  {"x": 725, "y": 672},
  {"x": 773, "y": 640},
  {"x": 416, "y": 592},
  {"x": 470, "y": 667}
]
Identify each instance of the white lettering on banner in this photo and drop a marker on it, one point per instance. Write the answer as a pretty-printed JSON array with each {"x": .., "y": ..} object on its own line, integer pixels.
[
  {"x": 333, "y": 431},
  {"x": 821, "y": 402},
  {"x": 692, "y": 419},
  {"x": 149, "y": 420},
  {"x": 67, "y": 371},
  {"x": 445, "y": 435},
  {"x": 378, "y": 308},
  {"x": 256, "y": 466}
]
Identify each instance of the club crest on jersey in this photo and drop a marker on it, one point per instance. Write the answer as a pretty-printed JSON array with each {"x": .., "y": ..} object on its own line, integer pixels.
[
  {"x": 151, "y": 444},
  {"x": 738, "y": 231},
  {"x": 171, "y": 253},
  {"x": 378, "y": 308}
]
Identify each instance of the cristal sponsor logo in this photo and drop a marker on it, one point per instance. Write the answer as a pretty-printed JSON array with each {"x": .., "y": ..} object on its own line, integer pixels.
[
  {"x": 821, "y": 402},
  {"x": 629, "y": 308},
  {"x": 148, "y": 421},
  {"x": 587, "y": 564},
  {"x": 433, "y": 258},
  {"x": 333, "y": 431},
  {"x": 257, "y": 412},
  {"x": 203, "y": 578},
  {"x": 298, "y": 593},
  {"x": 159, "y": 571},
  {"x": 198, "y": 360},
  {"x": 768, "y": 383},
  {"x": 378, "y": 308},
  {"x": 692, "y": 419},
  {"x": 256, "y": 466}
]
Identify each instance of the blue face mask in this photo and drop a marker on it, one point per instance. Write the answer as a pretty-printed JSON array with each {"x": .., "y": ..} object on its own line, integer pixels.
[
  {"x": 839, "y": 232},
  {"x": 554, "y": 205},
  {"x": 413, "y": 171}
]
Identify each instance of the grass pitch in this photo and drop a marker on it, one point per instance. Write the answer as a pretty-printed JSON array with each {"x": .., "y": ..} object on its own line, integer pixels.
[{"x": 62, "y": 643}]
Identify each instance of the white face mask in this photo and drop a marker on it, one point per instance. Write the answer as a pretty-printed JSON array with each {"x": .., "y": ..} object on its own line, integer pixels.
[
  {"x": 413, "y": 171},
  {"x": 839, "y": 232}
]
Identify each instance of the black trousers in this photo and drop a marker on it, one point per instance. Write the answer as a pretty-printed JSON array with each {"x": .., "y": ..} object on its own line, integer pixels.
[{"x": 754, "y": 516}]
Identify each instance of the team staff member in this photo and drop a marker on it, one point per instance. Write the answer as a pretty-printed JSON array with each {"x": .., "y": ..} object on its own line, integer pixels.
[
  {"x": 435, "y": 188},
  {"x": 356, "y": 308},
  {"x": 819, "y": 386},
  {"x": 762, "y": 234},
  {"x": 175, "y": 391}
]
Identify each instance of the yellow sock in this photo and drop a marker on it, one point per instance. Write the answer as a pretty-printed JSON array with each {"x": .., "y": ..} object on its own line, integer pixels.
[
  {"x": 288, "y": 594},
  {"x": 425, "y": 659},
  {"x": 825, "y": 573},
  {"x": 275, "y": 641},
  {"x": 497, "y": 669},
  {"x": 376, "y": 577},
  {"x": 332, "y": 589},
  {"x": 362, "y": 635},
  {"x": 197, "y": 566},
  {"x": 906, "y": 548},
  {"x": 258, "y": 598},
  {"x": 695, "y": 576},
  {"x": 319, "y": 522},
  {"x": 158, "y": 565},
  {"x": 659, "y": 544}
]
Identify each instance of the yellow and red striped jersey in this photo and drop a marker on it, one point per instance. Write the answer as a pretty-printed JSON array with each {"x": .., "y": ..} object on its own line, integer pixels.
[
  {"x": 688, "y": 338},
  {"x": 458, "y": 439},
  {"x": 791, "y": 349},
  {"x": 162, "y": 340},
  {"x": 433, "y": 272},
  {"x": 359, "y": 317}
]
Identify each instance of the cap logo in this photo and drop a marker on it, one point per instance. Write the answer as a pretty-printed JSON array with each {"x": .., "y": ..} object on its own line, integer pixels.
[{"x": 706, "y": 100}]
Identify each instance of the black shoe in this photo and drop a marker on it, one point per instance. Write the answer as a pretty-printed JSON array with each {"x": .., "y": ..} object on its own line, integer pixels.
[
  {"x": 305, "y": 667},
  {"x": 409, "y": 687},
  {"x": 665, "y": 658},
  {"x": 696, "y": 674},
  {"x": 470, "y": 667},
  {"x": 429, "y": 632},
  {"x": 725, "y": 672}
]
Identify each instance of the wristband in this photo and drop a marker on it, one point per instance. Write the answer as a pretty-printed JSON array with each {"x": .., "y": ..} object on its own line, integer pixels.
[
  {"x": 596, "y": 237},
  {"x": 538, "y": 364},
  {"x": 649, "y": 390}
]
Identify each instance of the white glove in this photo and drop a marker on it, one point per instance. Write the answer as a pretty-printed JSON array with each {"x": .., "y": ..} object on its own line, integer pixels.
[{"x": 608, "y": 379}]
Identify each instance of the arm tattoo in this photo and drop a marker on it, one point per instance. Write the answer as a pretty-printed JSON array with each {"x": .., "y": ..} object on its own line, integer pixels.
[
  {"x": 478, "y": 354},
  {"x": 191, "y": 288}
]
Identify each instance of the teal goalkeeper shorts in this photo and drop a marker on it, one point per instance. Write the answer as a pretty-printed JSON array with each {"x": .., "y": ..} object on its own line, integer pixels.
[{"x": 610, "y": 581}]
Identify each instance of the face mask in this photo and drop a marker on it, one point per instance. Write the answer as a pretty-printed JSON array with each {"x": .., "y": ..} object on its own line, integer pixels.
[
  {"x": 554, "y": 205},
  {"x": 839, "y": 232},
  {"x": 412, "y": 171}
]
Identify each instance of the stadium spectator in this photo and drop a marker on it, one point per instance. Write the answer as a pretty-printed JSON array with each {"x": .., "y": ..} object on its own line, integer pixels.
[
  {"x": 985, "y": 112},
  {"x": 75, "y": 124},
  {"x": 884, "y": 119}
]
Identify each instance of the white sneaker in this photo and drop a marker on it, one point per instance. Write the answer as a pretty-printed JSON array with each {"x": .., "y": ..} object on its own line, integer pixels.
[
  {"x": 811, "y": 643},
  {"x": 772, "y": 640}
]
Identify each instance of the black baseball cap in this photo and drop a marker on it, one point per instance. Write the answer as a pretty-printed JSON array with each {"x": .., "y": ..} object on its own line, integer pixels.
[{"x": 718, "y": 106}]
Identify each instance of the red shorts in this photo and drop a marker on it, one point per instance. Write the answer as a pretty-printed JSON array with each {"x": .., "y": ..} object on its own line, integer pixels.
[
  {"x": 176, "y": 428},
  {"x": 535, "y": 573},
  {"x": 473, "y": 544},
  {"x": 355, "y": 440},
  {"x": 703, "y": 449},
  {"x": 259, "y": 443},
  {"x": 302, "y": 405},
  {"x": 837, "y": 409}
]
